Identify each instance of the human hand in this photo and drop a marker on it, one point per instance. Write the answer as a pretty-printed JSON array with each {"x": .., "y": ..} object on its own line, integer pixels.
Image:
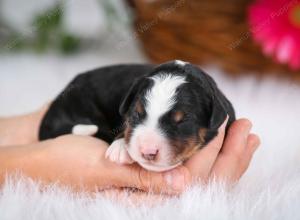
[
  {"x": 225, "y": 158},
  {"x": 227, "y": 164},
  {"x": 21, "y": 129},
  {"x": 80, "y": 162}
]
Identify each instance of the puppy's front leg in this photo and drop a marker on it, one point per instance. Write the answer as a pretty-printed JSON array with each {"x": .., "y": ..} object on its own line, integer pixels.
[{"x": 118, "y": 153}]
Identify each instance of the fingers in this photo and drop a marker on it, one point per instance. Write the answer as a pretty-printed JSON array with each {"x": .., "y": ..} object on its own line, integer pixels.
[
  {"x": 236, "y": 139},
  {"x": 169, "y": 182},
  {"x": 236, "y": 153},
  {"x": 201, "y": 163},
  {"x": 253, "y": 142},
  {"x": 228, "y": 163}
]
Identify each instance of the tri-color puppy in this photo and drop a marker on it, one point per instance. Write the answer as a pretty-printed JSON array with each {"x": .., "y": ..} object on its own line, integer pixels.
[{"x": 157, "y": 116}]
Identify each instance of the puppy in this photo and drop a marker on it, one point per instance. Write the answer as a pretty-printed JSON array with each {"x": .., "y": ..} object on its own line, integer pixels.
[{"x": 157, "y": 116}]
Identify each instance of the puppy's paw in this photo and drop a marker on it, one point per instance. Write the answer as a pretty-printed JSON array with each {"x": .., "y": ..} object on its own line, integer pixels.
[
  {"x": 117, "y": 152},
  {"x": 85, "y": 130}
]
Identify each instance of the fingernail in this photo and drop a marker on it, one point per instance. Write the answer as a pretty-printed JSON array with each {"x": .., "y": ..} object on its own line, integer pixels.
[{"x": 175, "y": 180}]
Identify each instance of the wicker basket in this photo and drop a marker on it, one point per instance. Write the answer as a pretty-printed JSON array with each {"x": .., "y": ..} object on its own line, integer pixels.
[{"x": 202, "y": 32}]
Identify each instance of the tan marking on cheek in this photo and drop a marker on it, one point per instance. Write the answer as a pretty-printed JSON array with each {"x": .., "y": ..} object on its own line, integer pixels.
[
  {"x": 189, "y": 149},
  {"x": 202, "y": 134},
  {"x": 178, "y": 116},
  {"x": 127, "y": 132},
  {"x": 191, "y": 146},
  {"x": 185, "y": 149}
]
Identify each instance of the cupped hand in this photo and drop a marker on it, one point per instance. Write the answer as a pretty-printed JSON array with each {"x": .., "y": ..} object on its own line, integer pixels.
[
  {"x": 225, "y": 158},
  {"x": 80, "y": 162}
]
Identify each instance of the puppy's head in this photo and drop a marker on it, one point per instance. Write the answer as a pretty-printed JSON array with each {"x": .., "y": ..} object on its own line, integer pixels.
[{"x": 170, "y": 113}]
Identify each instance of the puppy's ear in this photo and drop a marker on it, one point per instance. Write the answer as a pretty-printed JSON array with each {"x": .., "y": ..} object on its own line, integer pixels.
[
  {"x": 219, "y": 110},
  {"x": 124, "y": 107},
  {"x": 218, "y": 115}
]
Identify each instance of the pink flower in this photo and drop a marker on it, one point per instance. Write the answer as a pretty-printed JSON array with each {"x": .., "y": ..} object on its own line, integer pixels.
[{"x": 275, "y": 25}]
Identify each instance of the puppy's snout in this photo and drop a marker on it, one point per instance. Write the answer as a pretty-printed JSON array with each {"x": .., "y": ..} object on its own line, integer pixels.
[
  {"x": 149, "y": 153},
  {"x": 150, "y": 145}
]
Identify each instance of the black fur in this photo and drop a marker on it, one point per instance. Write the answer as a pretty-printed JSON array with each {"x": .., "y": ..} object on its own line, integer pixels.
[
  {"x": 92, "y": 98},
  {"x": 107, "y": 96}
]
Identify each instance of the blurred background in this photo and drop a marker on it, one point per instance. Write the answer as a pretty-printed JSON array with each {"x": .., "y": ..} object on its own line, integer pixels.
[{"x": 250, "y": 47}]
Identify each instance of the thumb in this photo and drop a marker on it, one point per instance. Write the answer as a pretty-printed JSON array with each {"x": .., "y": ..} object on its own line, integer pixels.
[{"x": 169, "y": 182}]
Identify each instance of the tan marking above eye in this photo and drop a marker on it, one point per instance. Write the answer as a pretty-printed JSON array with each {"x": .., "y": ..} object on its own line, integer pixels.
[
  {"x": 139, "y": 107},
  {"x": 189, "y": 147},
  {"x": 178, "y": 116}
]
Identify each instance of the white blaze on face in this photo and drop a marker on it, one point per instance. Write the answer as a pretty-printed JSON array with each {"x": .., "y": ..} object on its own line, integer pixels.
[
  {"x": 162, "y": 96},
  {"x": 146, "y": 136}
]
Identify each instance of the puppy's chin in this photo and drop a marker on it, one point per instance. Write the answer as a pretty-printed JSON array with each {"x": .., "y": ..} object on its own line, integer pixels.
[{"x": 157, "y": 168}]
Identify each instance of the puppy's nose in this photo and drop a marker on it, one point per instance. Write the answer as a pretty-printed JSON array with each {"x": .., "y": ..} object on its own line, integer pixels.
[{"x": 149, "y": 153}]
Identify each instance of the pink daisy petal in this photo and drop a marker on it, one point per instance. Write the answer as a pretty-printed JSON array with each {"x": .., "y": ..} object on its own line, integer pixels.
[
  {"x": 274, "y": 25},
  {"x": 285, "y": 50},
  {"x": 270, "y": 46},
  {"x": 295, "y": 61}
]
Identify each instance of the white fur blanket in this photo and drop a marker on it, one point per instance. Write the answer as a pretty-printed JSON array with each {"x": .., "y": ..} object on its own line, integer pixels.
[{"x": 269, "y": 190}]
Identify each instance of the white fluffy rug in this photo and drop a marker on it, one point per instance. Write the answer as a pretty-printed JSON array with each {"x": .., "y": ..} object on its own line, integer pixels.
[{"x": 269, "y": 190}]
